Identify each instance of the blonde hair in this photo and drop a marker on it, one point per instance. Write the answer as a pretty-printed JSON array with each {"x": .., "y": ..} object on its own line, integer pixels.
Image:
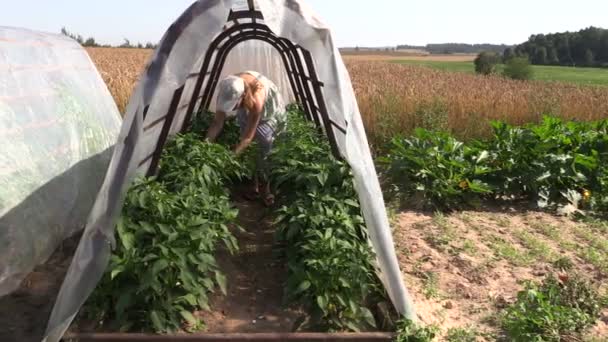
[{"x": 251, "y": 90}]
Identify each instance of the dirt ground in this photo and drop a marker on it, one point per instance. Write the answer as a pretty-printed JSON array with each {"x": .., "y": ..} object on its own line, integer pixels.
[
  {"x": 256, "y": 280},
  {"x": 25, "y": 312},
  {"x": 462, "y": 269}
]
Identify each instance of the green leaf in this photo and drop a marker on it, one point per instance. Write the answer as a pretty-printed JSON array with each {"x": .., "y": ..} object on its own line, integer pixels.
[
  {"x": 322, "y": 302},
  {"x": 221, "y": 281},
  {"x": 157, "y": 321},
  {"x": 127, "y": 240},
  {"x": 115, "y": 272},
  {"x": 305, "y": 285},
  {"x": 147, "y": 227},
  {"x": 368, "y": 316},
  {"x": 159, "y": 265},
  {"x": 543, "y": 176},
  {"x": 164, "y": 229},
  {"x": 188, "y": 317},
  {"x": 191, "y": 299},
  {"x": 482, "y": 156}
]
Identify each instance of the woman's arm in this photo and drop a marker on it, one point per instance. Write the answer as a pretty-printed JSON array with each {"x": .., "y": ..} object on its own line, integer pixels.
[
  {"x": 255, "y": 114},
  {"x": 216, "y": 126}
]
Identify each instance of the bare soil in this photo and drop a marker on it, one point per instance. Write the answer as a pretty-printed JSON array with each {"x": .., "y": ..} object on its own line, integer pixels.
[
  {"x": 25, "y": 312},
  {"x": 256, "y": 280},
  {"x": 464, "y": 268}
]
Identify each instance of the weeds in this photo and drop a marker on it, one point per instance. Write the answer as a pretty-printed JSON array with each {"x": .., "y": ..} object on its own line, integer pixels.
[
  {"x": 407, "y": 331},
  {"x": 554, "y": 310},
  {"x": 461, "y": 335}
]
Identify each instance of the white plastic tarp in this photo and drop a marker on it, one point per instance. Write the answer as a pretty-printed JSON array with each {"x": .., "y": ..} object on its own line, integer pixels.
[
  {"x": 58, "y": 123},
  {"x": 179, "y": 56}
]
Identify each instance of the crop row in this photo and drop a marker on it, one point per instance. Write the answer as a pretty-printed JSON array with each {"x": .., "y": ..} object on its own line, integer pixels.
[{"x": 558, "y": 165}]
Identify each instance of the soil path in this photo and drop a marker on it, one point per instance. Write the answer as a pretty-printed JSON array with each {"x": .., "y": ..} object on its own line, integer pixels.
[
  {"x": 256, "y": 279},
  {"x": 255, "y": 282},
  {"x": 25, "y": 312}
]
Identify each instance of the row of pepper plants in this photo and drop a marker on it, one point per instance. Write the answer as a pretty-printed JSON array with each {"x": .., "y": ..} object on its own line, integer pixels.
[
  {"x": 163, "y": 268},
  {"x": 172, "y": 225},
  {"x": 324, "y": 237}
]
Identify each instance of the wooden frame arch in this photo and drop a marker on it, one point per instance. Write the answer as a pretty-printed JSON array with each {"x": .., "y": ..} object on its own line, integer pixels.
[{"x": 299, "y": 64}]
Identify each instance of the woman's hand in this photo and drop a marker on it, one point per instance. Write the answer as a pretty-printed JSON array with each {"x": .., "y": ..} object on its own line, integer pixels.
[
  {"x": 240, "y": 147},
  {"x": 216, "y": 126}
]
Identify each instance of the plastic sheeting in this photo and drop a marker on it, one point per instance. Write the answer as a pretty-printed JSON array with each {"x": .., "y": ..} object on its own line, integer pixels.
[
  {"x": 175, "y": 64},
  {"x": 261, "y": 57},
  {"x": 58, "y": 122}
]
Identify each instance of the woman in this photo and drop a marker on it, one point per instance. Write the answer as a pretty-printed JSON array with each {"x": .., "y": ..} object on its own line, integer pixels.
[{"x": 260, "y": 113}]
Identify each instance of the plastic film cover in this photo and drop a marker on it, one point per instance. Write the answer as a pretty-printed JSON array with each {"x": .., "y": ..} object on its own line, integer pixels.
[
  {"x": 58, "y": 123},
  {"x": 175, "y": 64}
]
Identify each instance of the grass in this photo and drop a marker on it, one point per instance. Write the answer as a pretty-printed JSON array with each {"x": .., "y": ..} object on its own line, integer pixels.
[
  {"x": 431, "y": 285},
  {"x": 507, "y": 251},
  {"x": 583, "y": 76},
  {"x": 461, "y": 335},
  {"x": 536, "y": 248}
]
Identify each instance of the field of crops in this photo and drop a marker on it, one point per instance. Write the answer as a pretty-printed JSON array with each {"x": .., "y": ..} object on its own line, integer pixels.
[
  {"x": 583, "y": 76},
  {"x": 488, "y": 218},
  {"x": 396, "y": 98}
]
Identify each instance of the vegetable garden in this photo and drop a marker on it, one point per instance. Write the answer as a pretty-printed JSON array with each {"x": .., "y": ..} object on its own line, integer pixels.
[{"x": 173, "y": 226}]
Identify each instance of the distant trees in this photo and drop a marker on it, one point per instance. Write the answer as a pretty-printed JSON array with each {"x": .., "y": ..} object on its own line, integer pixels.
[
  {"x": 587, "y": 47},
  {"x": 450, "y": 48},
  {"x": 518, "y": 68},
  {"x": 486, "y": 62},
  {"x": 90, "y": 42},
  {"x": 508, "y": 54}
]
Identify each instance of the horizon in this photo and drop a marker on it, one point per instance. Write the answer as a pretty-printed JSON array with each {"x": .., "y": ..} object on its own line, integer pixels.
[{"x": 387, "y": 23}]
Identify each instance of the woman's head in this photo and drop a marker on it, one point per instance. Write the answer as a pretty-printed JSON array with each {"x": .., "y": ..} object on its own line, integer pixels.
[
  {"x": 230, "y": 93},
  {"x": 235, "y": 92}
]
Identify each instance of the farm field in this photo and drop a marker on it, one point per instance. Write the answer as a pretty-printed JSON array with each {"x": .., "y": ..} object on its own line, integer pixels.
[
  {"x": 584, "y": 76},
  {"x": 465, "y": 267},
  {"x": 407, "y": 57}
]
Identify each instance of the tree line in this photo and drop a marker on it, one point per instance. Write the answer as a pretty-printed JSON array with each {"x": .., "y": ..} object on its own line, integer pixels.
[
  {"x": 587, "y": 47},
  {"x": 91, "y": 42},
  {"x": 450, "y": 48}
]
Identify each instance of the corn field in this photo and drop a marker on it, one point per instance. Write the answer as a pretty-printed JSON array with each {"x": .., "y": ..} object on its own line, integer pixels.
[{"x": 395, "y": 98}]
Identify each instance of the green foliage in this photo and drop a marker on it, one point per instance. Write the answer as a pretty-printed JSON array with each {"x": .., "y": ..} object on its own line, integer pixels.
[
  {"x": 163, "y": 267},
  {"x": 549, "y": 73},
  {"x": 321, "y": 226},
  {"x": 486, "y": 62},
  {"x": 408, "y": 331},
  {"x": 540, "y": 56},
  {"x": 569, "y": 48},
  {"x": 553, "y": 310},
  {"x": 546, "y": 162},
  {"x": 461, "y": 335},
  {"x": 230, "y": 133},
  {"x": 439, "y": 170},
  {"x": 518, "y": 68},
  {"x": 559, "y": 165},
  {"x": 508, "y": 54}
]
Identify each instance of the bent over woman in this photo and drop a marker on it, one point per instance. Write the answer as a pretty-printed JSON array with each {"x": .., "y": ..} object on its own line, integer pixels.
[{"x": 260, "y": 113}]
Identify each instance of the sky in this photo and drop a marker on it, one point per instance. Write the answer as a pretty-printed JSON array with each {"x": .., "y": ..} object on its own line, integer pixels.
[{"x": 353, "y": 22}]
